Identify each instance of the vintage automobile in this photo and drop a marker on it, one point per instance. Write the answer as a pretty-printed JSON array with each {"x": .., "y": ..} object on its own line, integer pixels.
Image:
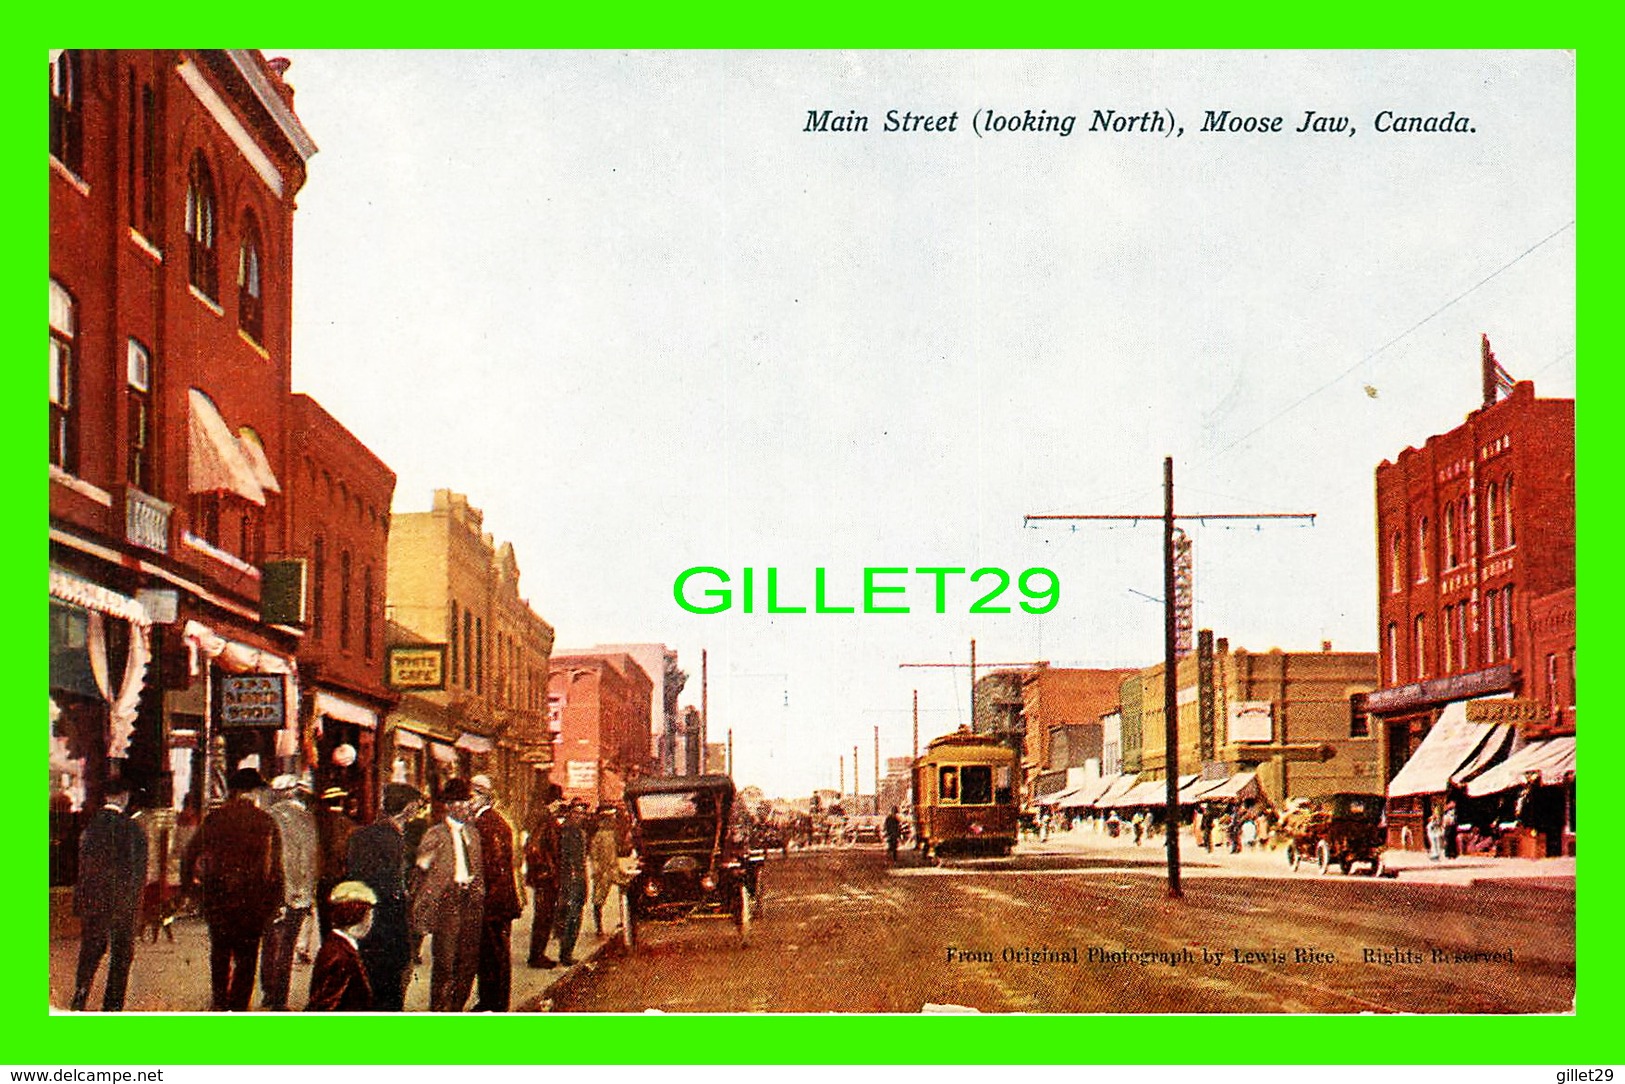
[
  {"x": 1341, "y": 829},
  {"x": 865, "y": 829},
  {"x": 693, "y": 860}
]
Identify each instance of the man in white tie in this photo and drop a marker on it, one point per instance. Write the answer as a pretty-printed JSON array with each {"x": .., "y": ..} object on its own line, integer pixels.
[{"x": 448, "y": 900}]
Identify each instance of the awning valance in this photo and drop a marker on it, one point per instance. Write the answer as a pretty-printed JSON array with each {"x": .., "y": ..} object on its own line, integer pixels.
[
  {"x": 1454, "y": 751},
  {"x": 442, "y": 752},
  {"x": 123, "y": 699},
  {"x": 1546, "y": 763},
  {"x": 345, "y": 711},
  {"x": 405, "y": 739},
  {"x": 215, "y": 459},
  {"x": 93, "y": 596},
  {"x": 474, "y": 743},
  {"x": 1239, "y": 787}
]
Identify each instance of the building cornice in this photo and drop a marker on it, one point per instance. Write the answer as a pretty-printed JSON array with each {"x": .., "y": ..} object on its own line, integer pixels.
[{"x": 283, "y": 116}]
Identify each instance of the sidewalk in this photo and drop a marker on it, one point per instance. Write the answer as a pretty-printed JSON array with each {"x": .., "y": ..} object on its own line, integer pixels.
[
  {"x": 173, "y": 976},
  {"x": 1410, "y": 867}
]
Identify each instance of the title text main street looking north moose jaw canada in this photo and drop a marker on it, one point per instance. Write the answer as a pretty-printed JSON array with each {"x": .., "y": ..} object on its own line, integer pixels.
[{"x": 1162, "y": 122}]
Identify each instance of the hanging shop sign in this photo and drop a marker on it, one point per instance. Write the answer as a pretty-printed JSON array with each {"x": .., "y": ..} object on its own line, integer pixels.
[
  {"x": 1252, "y": 721},
  {"x": 581, "y": 774},
  {"x": 252, "y": 700},
  {"x": 416, "y": 666}
]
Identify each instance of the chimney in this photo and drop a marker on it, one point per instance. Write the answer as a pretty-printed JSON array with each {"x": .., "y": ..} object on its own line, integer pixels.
[{"x": 1325, "y": 647}]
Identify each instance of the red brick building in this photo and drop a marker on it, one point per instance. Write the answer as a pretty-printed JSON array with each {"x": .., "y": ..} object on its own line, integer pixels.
[
  {"x": 1475, "y": 535},
  {"x": 599, "y": 704},
  {"x": 338, "y": 501}
]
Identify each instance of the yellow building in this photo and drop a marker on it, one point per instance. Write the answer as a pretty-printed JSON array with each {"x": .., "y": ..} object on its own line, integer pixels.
[
  {"x": 452, "y": 588},
  {"x": 1296, "y": 719}
]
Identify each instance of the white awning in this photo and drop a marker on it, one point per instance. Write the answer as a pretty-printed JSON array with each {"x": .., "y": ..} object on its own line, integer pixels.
[
  {"x": 1239, "y": 787},
  {"x": 1547, "y": 763},
  {"x": 405, "y": 739},
  {"x": 1454, "y": 751},
  {"x": 474, "y": 743},
  {"x": 345, "y": 711},
  {"x": 254, "y": 452},
  {"x": 444, "y": 753},
  {"x": 215, "y": 460},
  {"x": 93, "y": 596},
  {"x": 1054, "y": 798}
]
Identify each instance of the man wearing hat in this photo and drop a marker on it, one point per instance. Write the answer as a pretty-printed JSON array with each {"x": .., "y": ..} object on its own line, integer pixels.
[
  {"x": 541, "y": 873},
  {"x": 333, "y": 830},
  {"x": 234, "y": 863},
  {"x": 448, "y": 901},
  {"x": 502, "y": 900},
  {"x": 573, "y": 840},
  {"x": 338, "y": 982},
  {"x": 296, "y": 832},
  {"x": 112, "y": 872},
  {"x": 378, "y": 858}
]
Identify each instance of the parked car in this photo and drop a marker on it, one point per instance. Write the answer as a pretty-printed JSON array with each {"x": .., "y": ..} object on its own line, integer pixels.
[
  {"x": 864, "y": 829},
  {"x": 691, "y": 863},
  {"x": 1341, "y": 829}
]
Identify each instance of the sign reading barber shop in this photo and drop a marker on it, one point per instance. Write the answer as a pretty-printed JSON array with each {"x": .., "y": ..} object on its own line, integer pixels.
[{"x": 251, "y": 700}]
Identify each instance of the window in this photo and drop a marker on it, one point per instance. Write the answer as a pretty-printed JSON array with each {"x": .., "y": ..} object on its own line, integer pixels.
[
  {"x": 1506, "y": 610},
  {"x": 344, "y": 599},
  {"x": 366, "y": 611},
  {"x": 1573, "y": 691},
  {"x": 1492, "y": 526},
  {"x": 138, "y": 380},
  {"x": 1396, "y": 563},
  {"x": 1461, "y": 635},
  {"x": 250, "y": 308},
  {"x": 1450, "y": 551},
  {"x": 1551, "y": 679},
  {"x": 976, "y": 784},
  {"x": 479, "y": 655},
  {"x": 453, "y": 638},
  {"x": 202, "y": 265},
  {"x": 148, "y": 221},
  {"x": 1506, "y": 513},
  {"x": 1464, "y": 522},
  {"x": 1392, "y": 646},
  {"x": 67, "y": 111},
  {"x": 948, "y": 785},
  {"x": 318, "y": 584},
  {"x": 64, "y": 433},
  {"x": 206, "y": 517},
  {"x": 1359, "y": 717},
  {"x": 1421, "y": 647},
  {"x": 1422, "y": 557},
  {"x": 1492, "y": 626},
  {"x": 1447, "y": 639},
  {"x": 468, "y": 649}
]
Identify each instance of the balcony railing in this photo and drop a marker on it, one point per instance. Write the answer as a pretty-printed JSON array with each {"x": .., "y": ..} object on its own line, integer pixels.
[{"x": 146, "y": 520}]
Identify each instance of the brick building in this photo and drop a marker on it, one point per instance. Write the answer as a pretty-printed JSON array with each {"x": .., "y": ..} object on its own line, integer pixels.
[
  {"x": 601, "y": 703},
  {"x": 451, "y": 586},
  {"x": 1291, "y": 719},
  {"x": 1043, "y": 701},
  {"x": 172, "y": 177},
  {"x": 1475, "y": 577},
  {"x": 338, "y": 500}
]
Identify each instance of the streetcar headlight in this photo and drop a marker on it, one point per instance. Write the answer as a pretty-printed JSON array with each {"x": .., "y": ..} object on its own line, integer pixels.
[
  {"x": 708, "y": 882},
  {"x": 651, "y": 887}
]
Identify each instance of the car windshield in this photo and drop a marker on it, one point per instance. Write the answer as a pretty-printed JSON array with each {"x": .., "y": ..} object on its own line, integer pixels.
[{"x": 660, "y": 807}]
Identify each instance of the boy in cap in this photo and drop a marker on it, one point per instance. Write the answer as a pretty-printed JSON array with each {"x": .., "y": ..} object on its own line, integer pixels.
[
  {"x": 234, "y": 862},
  {"x": 338, "y": 982},
  {"x": 379, "y": 858}
]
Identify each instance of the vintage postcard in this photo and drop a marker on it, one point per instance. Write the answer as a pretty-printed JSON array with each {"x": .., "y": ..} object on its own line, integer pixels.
[{"x": 812, "y": 532}]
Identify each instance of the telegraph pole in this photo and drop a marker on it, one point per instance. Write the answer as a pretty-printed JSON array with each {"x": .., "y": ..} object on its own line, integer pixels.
[
  {"x": 1170, "y": 637},
  {"x": 916, "y": 724}
]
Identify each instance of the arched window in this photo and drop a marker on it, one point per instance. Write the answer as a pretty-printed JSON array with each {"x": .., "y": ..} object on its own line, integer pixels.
[
  {"x": 202, "y": 265},
  {"x": 1396, "y": 559},
  {"x": 1392, "y": 646},
  {"x": 64, "y": 431},
  {"x": 1421, "y": 647},
  {"x": 1450, "y": 551},
  {"x": 1492, "y": 515},
  {"x": 318, "y": 584},
  {"x": 138, "y": 393},
  {"x": 250, "y": 303},
  {"x": 344, "y": 599},
  {"x": 1506, "y": 513},
  {"x": 366, "y": 611},
  {"x": 1447, "y": 641},
  {"x": 67, "y": 111},
  {"x": 1423, "y": 559}
]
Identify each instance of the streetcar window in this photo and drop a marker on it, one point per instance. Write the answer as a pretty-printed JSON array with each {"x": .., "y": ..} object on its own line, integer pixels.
[
  {"x": 948, "y": 785},
  {"x": 1001, "y": 789},
  {"x": 659, "y": 807},
  {"x": 976, "y": 783}
]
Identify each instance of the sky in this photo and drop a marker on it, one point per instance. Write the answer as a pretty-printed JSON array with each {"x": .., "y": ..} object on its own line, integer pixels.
[{"x": 646, "y": 321}]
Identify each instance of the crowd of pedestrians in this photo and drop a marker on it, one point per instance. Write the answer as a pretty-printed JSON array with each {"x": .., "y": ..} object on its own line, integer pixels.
[{"x": 274, "y": 866}]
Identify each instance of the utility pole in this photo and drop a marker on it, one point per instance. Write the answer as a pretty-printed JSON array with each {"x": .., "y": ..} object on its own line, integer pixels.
[
  {"x": 857, "y": 786},
  {"x": 916, "y": 724},
  {"x": 841, "y": 786},
  {"x": 1170, "y": 646},
  {"x": 705, "y": 713},
  {"x": 730, "y": 752},
  {"x": 877, "y": 769}
]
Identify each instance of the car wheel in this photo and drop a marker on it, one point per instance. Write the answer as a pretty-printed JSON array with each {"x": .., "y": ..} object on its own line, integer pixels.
[
  {"x": 1323, "y": 856},
  {"x": 629, "y": 924},
  {"x": 744, "y": 914},
  {"x": 1293, "y": 858}
]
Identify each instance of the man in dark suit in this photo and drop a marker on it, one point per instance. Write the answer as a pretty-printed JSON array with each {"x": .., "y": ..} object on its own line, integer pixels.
[
  {"x": 448, "y": 902},
  {"x": 542, "y": 874},
  {"x": 379, "y": 859},
  {"x": 502, "y": 900},
  {"x": 338, "y": 981},
  {"x": 235, "y": 863},
  {"x": 112, "y": 873}
]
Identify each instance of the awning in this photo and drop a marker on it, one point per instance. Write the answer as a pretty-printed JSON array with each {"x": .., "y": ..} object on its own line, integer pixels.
[
  {"x": 93, "y": 596},
  {"x": 345, "y": 711},
  {"x": 1054, "y": 797},
  {"x": 444, "y": 753},
  {"x": 254, "y": 452},
  {"x": 215, "y": 460},
  {"x": 1116, "y": 789},
  {"x": 122, "y": 701},
  {"x": 474, "y": 743},
  {"x": 1547, "y": 763},
  {"x": 1454, "y": 751},
  {"x": 405, "y": 739},
  {"x": 1086, "y": 795},
  {"x": 1239, "y": 787},
  {"x": 1149, "y": 793}
]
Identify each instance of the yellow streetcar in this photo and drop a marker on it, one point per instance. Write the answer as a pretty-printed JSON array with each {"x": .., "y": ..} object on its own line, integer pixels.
[{"x": 964, "y": 800}]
